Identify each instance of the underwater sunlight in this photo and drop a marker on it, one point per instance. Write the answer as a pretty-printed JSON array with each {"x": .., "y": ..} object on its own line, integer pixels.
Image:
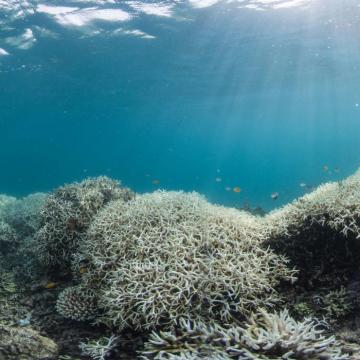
[{"x": 180, "y": 180}]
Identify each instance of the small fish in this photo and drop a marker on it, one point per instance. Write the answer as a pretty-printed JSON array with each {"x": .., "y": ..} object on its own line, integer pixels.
[
  {"x": 155, "y": 182},
  {"x": 218, "y": 171},
  {"x": 303, "y": 185},
  {"x": 336, "y": 169},
  {"x": 218, "y": 179},
  {"x": 236, "y": 189},
  {"x": 83, "y": 269},
  {"x": 24, "y": 322},
  {"x": 274, "y": 195},
  {"x": 50, "y": 285},
  {"x": 325, "y": 168},
  {"x": 227, "y": 188}
]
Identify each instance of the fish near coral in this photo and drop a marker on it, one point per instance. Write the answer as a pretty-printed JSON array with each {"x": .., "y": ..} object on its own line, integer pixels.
[{"x": 50, "y": 285}]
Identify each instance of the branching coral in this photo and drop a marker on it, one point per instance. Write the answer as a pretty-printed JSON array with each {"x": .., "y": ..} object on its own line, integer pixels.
[
  {"x": 167, "y": 255},
  {"x": 66, "y": 215},
  {"x": 335, "y": 304},
  {"x": 24, "y": 214},
  {"x": 8, "y": 237},
  {"x": 281, "y": 336},
  {"x": 77, "y": 303},
  {"x": 265, "y": 336},
  {"x": 99, "y": 349},
  {"x": 319, "y": 232}
]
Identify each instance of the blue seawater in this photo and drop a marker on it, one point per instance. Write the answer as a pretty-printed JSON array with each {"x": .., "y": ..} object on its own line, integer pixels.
[{"x": 197, "y": 95}]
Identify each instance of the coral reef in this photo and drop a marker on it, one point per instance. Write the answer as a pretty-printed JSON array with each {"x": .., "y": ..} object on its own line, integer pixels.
[
  {"x": 172, "y": 263},
  {"x": 264, "y": 336},
  {"x": 167, "y": 255},
  {"x": 66, "y": 215}
]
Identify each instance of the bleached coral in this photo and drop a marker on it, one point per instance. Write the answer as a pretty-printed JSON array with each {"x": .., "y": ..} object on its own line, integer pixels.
[
  {"x": 319, "y": 232},
  {"x": 265, "y": 336},
  {"x": 5, "y": 200},
  {"x": 66, "y": 215},
  {"x": 336, "y": 205},
  {"x": 99, "y": 349},
  {"x": 24, "y": 214},
  {"x": 77, "y": 303},
  {"x": 167, "y": 255},
  {"x": 8, "y": 237},
  {"x": 280, "y": 334}
]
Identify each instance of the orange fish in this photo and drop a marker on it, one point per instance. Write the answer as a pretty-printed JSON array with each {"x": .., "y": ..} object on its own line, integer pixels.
[
  {"x": 274, "y": 195},
  {"x": 155, "y": 182},
  {"x": 236, "y": 189}
]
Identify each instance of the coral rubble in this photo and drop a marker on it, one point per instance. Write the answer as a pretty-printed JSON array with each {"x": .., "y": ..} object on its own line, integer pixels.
[{"x": 18, "y": 343}]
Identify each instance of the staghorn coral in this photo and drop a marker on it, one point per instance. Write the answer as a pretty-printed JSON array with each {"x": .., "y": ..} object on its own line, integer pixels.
[
  {"x": 77, "y": 303},
  {"x": 99, "y": 349},
  {"x": 264, "y": 336},
  {"x": 66, "y": 215},
  {"x": 167, "y": 255},
  {"x": 320, "y": 233},
  {"x": 336, "y": 205},
  {"x": 280, "y": 335}
]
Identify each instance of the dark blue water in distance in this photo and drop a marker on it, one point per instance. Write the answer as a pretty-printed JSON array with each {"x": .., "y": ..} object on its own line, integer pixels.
[{"x": 201, "y": 95}]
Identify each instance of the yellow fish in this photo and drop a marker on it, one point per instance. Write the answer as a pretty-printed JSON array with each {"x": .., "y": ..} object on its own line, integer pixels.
[
  {"x": 50, "y": 285},
  {"x": 236, "y": 189},
  {"x": 155, "y": 182},
  {"x": 83, "y": 269}
]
